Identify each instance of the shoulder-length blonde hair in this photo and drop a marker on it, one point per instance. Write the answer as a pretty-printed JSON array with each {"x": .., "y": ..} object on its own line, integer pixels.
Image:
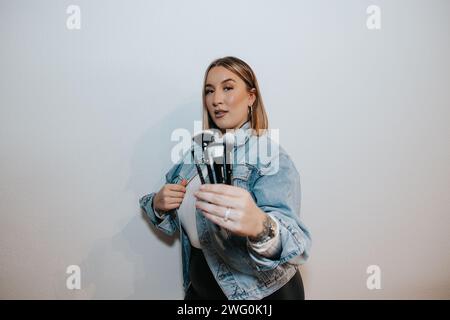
[{"x": 257, "y": 112}]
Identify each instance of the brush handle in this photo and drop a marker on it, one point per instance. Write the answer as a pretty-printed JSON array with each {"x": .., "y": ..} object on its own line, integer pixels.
[
  {"x": 200, "y": 173},
  {"x": 210, "y": 174},
  {"x": 218, "y": 172},
  {"x": 229, "y": 173}
]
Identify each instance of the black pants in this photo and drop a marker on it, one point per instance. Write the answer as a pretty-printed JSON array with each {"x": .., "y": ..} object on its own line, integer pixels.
[{"x": 204, "y": 285}]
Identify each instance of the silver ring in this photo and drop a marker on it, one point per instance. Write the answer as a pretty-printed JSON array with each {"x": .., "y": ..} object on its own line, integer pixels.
[{"x": 227, "y": 213}]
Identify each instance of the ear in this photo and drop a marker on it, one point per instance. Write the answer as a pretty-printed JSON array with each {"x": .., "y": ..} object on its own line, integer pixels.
[{"x": 251, "y": 96}]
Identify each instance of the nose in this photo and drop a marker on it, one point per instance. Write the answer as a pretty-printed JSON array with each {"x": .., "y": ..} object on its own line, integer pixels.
[{"x": 217, "y": 98}]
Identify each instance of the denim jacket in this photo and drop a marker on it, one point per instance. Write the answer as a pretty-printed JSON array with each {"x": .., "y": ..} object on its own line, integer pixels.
[{"x": 274, "y": 184}]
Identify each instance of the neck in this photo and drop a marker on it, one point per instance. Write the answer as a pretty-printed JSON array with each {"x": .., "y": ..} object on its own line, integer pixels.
[{"x": 223, "y": 131}]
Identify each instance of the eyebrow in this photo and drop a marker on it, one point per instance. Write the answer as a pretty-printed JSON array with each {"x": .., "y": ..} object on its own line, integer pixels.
[{"x": 210, "y": 85}]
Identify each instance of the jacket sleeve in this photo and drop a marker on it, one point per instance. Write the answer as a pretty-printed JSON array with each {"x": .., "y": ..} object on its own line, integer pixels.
[
  {"x": 169, "y": 224},
  {"x": 278, "y": 194}
]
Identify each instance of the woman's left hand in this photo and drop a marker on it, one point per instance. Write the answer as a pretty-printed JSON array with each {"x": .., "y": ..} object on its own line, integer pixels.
[{"x": 244, "y": 218}]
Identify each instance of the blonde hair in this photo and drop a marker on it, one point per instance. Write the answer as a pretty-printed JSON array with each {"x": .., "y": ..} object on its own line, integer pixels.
[{"x": 258, "y": 116}]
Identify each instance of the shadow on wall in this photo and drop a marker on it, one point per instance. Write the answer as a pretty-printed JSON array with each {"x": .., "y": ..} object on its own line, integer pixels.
[{"x": 127, "y": 266}]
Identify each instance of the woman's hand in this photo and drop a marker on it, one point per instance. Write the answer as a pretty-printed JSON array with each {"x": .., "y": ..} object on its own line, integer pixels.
[
  {"x": 245, "y": 218},
  {"x": 170, "y": 197}
]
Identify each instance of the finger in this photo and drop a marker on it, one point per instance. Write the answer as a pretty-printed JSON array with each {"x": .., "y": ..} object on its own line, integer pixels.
[
  {"x": 183, "y": 183},
  {"x": 225, "y": 189},
  {"x": 215, "y": 198},
  {"x": 172, "y": 206},
  {"x": 176, "y": 194},
  {"x": 174, "y": 200},
  {"x": 211, "y": 208},
  {"x": 176, "y": 187},
  {"x": 215, "y": 219}
]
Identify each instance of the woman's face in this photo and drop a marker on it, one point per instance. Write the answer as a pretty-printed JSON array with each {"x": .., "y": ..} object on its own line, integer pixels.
[{"x": 227, "y": 98}]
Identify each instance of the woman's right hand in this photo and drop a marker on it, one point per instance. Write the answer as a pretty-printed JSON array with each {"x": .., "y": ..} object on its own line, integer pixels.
[{"x": 170, "y": 197}]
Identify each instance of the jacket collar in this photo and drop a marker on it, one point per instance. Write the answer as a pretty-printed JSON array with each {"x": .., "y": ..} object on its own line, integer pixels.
[{"x": 243, "y": 134}]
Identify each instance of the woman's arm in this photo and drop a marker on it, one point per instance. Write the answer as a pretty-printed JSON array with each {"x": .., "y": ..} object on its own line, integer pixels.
[
  {"x": 278, "y": 194},
  {"x": 166, "y": 222}
]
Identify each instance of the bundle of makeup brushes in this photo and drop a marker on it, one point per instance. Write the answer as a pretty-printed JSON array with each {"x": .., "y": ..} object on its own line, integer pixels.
[{"x": 216, "y": 155}]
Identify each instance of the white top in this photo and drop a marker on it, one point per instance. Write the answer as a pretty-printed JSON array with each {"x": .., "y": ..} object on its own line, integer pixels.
[{"x": 186, "y": 214}]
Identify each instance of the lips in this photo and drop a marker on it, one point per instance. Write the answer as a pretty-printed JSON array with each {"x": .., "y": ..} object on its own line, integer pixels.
[{"x": 220, "y": 114}]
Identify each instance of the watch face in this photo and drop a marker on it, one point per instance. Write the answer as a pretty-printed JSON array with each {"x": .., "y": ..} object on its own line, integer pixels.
[
  {"x": 270, "y": 231},
  {"x": 271, "y": 227}
]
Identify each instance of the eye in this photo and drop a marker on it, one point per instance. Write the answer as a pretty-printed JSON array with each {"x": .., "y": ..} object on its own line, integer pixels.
[
  {"x": 228, "y": 88},
  {"x": 208, "y": 91}
]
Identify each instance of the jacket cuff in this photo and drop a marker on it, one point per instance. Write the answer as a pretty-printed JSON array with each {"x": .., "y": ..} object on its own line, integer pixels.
[
  {"x": 166, "y": 224},
  {"x": 270, "y": 248},
  {"x": 295, "y": 246},
  {"x": 157, "y": 214}
]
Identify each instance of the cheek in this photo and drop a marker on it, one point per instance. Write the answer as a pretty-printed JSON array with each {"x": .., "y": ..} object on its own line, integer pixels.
[
  {"x": 237, "y": 105},
  {"x": 235, "y": 100},
  {"x": 209, "y": 104},
  {"x": 208, "y": 101}
]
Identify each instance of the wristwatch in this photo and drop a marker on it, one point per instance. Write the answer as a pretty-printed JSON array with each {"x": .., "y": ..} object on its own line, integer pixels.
[{"x": 269, "y": 228}]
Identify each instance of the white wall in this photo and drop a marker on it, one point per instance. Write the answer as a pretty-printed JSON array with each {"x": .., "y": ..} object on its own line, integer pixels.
[{"x": 86, "y": 117}]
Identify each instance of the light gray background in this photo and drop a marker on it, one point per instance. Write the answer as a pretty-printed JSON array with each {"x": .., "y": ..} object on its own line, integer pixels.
[{"x": 86, "y": 118}]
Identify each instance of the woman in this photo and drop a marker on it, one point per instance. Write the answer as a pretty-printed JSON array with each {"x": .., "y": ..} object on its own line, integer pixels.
[{"x": 245, "y": 240}]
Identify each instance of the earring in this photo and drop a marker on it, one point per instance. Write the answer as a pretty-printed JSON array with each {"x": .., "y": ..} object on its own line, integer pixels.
[{"x": 250, "y": 114}]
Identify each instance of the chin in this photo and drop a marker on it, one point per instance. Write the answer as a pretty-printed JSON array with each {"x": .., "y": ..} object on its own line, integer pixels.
[{"x": 223, "y": 124}]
